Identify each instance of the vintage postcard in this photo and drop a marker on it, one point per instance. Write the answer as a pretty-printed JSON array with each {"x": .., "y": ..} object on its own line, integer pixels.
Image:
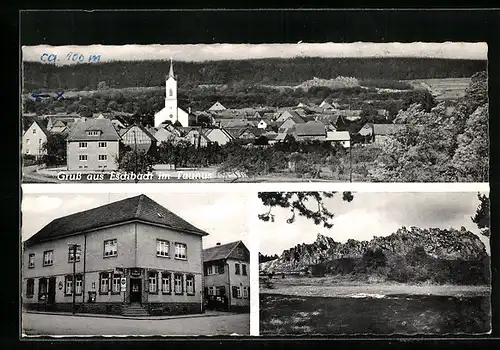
[
  {"x": 354, "y": 263},
  {"x": 135, "y": 264},
  {"x": 336, "y": 112}
]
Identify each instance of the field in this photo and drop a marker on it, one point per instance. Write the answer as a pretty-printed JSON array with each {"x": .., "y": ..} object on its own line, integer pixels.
[
  {"x": 329, "y": 305},
  {"x": 442, "y": 89}
]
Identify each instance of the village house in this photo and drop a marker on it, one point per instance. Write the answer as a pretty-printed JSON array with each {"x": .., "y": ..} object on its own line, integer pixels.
[
  {"x": 263, "y": 124},
  {"x": 341, "y": 137},
  {"x": 216, "y": 107},
  {"x": 197, "y": 138},
  {"x": 234, "y": 123},
  {"x": 219, "y": 135},
  {"x": 60, "y": 119},
  {"x": 310, "y": 131},
  {"x": 92, "y": 145},
  {"x": 382, "y": 132},
  {"x": 34, "y": 138},
  {"x": 227, "y": 276},
  {"x": 133, "y": 257},
  {"x": 167, "y": 133},
  {"x": 137, "y": 137},
  {"x": 290, "y": 114},
  {"x": 367, "y": 131},
  {"x": 171, "y": 112}
]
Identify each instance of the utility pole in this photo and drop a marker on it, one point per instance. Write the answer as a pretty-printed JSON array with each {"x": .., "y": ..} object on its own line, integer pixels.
[
  {"x": 135, "y": 150},
  {"x": 350, "y": 161},
  {"x": 74, "y": 278}
]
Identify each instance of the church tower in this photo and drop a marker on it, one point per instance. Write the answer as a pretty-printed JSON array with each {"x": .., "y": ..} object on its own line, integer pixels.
[{"x": 171, "y": 95}]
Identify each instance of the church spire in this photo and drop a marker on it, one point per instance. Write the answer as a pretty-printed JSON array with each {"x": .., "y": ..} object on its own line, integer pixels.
[{"x": 171, "y": 72}]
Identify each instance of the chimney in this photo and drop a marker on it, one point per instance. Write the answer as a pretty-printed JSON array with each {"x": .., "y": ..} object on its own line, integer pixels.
[
  {"x": 218, "y": 243},
  {"x": 189, "y": 110}
]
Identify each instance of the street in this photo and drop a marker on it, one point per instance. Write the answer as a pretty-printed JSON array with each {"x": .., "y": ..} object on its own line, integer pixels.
[{"x": 45, "y": 324}]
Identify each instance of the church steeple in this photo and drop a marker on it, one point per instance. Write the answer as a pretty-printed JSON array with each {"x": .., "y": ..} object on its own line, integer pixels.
[{"x": 171, "y": 72}]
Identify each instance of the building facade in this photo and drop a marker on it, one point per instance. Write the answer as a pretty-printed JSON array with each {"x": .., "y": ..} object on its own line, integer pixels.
[
  {"x": 138, "y": 138},
  {"x": 33, "y": 140},
  {"x": 227, "y": 276},
  {"x": 133, "y": 257}
]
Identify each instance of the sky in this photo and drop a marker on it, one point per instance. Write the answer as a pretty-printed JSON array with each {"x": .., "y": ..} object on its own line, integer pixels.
[
  {"x": 222, "y": 215},
  {"x": 206, "y": 52},
  {"x": 369, "y": 215}
]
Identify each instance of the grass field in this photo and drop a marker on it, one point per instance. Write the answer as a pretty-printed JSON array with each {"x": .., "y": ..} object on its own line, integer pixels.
[{"x": 442, "y": 89}]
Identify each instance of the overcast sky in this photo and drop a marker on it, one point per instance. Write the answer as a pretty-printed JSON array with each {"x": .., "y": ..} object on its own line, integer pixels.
[
  {"x": 205, "y": 52},
  {"x": 368, "y": 215},
  {"x": 222, "y": 215}
]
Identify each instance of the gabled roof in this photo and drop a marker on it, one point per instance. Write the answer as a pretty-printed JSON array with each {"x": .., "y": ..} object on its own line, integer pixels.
[
  {"x": 328, "y": 118},
  {"x": 310, "y": 129},
  {"x": 79, "y": 131},
  {"x": 223, "y": 251},
  {"x": 139, "y": 208},
  {"x": 387, "y": 129},
  {"x": 40, "y": 125},
  {"x": 338, "y": 136},
  {"x": 143, "y": 129}
]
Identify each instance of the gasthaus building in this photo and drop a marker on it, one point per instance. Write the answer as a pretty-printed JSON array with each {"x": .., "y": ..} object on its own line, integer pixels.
[{"x": 133, "y": 257}]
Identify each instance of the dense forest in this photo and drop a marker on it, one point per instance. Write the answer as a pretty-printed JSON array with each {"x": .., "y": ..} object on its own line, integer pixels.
[{"x": 121, "y": 74}]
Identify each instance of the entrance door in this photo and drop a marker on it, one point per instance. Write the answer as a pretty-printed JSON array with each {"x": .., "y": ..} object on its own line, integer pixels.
[
  {"x": 135, "y": 290},
  {"x": 51, "y": 295}
]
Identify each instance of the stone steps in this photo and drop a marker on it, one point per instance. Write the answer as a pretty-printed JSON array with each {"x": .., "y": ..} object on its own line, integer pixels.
[{"x": 134, "y": 310}]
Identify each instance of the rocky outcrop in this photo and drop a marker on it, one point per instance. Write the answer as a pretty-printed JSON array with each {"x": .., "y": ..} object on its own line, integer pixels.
[{"x": 442, "y": 244}]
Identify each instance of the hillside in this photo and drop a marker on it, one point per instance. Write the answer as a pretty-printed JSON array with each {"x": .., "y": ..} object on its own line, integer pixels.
[
  {"x": 273, "y": 71},
  {"x": 453, "y": 256}
]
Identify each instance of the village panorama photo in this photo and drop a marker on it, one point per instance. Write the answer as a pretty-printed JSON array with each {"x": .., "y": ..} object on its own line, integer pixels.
[
  {"x": 388, "y": 263},
  {"x": 135, "y": 264},
  {"x": 335, "y": 112}
]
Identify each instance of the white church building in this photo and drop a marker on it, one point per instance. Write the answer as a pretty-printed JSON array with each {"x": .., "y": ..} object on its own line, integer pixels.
[{"x": 171, "y": 112}]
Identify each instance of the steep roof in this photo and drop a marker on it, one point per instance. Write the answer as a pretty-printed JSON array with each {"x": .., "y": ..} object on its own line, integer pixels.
[
  {"x": 387, "y": 129},
  {"x": 222, "y": 251},
  {"x": 310, "y": 129},
  {"x": 138, "y": 208},
  {"x": 39, "y": 123},
  {"x": 79, "y": 131},
  {"x": 146, "y": 131}
]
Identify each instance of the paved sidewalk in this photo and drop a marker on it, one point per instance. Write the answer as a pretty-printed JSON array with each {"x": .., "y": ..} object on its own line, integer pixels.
[{"x": 206, "y": 314}]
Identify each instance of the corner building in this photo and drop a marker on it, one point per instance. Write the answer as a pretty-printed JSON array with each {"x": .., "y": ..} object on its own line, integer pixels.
[{"x": 133, "y": 257}]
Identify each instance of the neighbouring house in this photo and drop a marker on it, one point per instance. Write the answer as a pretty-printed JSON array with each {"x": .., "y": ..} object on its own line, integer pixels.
[
  {"x": 118, "y": 124},
  {"x": 287, "y": 124},
  {"x": 330, "y": 120},
  {"x": 34, "y": 138},
  {"x": 67, "y": 119},
  {"x": 197, "y": 138},
  {"x": 220, "y": 136},
  {"x": 234, "y": 123},
  {"x": 167, "y": 134},
  {"x": 283, "y": 137},
  {"x": 341, "y": 137},
  {"x": 383, "y": 113},
  {"x": 349, "y": 114},
  {"x": 227, "y": 276},
  {"x": 366, "y": 131},
  {"x": 216, "y": 107},
  {"x": 329, "y": 106},
  {"x": 171, "y": 112},
  {"x": 263, "y": 124},
  {"x": 310, "y": 131},
  {"x": 137, "y": 137},
  {"x": 381, "y": 132},
  {"x": 59, "y": 127},
  {"x": 133, "y": 257},
  {"x": 93, "y": 145},
  {"x": 251, "y": 134},
  {"x": 290, "y": 114}
]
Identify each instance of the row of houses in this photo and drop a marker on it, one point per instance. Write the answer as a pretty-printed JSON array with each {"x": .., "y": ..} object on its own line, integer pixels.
[{"x": 132, "y": 257}]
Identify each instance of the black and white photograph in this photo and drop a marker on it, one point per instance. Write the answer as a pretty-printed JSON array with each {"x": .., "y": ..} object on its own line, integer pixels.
[
  {"x": 135, "y": 264},
  {"x": 335, "y": 112},
  {"x": 366, "y": 263}
]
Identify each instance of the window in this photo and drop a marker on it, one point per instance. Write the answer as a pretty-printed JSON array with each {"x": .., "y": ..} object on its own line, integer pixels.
[
  {"x": 116, "y": 284},
  {"x": 68, "y": 285},
  {"x": 31, "y": 261},
  {"x": 48, "y": 257},
  {"x": 190, "y": 285},
  {"x": 42, "y": 287},
  {"x": 162, "y": 248},
  {"x": 27, "y": 151},
  {"x": 245, "y": 292},
  {"x": 237, "y": 268},
  {"x": 71, "y": 253},
  {"x": 34, "y": 131},
  {"x": 103, "y": 157},
  {"x": 165, "y": 283},
  {"x": 236, "y": 292},
  {"x": 171, "y": 92},
  {"x": 244, "y": 269},
  {"x": 27, "y": 141},
  {"x": 78, "y": 285},
  {"x": 82, "y": 144},
  {"x": 39, "y": 141},
  {"x": 82, "y": 157},
  {"x": 93, "y": 132},
  {"x": 103, "y": 144},
  {"x": 180, "y": 251},
  {"x": 110, "y": 248},
  {"x": 104, "y": 283},
  {"x": 30, "y": 288},
  {"x": 210, "y": 270},
  {"x": 219, "y": 268},
  {"x": 153, "y": 282},
  {"x": 178, "y": 284}
]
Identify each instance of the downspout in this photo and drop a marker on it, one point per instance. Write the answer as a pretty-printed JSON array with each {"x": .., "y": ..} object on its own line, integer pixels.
[
  {"x": 229, "y": 292},
  {"x": 84, "y": 281}
]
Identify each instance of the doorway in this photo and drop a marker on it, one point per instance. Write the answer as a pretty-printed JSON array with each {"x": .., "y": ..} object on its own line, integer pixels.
[
  {"x": 135, "y": 290},
  {"x": 51, "y": 294}
]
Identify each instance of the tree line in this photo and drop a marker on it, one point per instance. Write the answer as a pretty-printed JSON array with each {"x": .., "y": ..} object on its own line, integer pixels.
[{"x": 121, "y": 74}]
